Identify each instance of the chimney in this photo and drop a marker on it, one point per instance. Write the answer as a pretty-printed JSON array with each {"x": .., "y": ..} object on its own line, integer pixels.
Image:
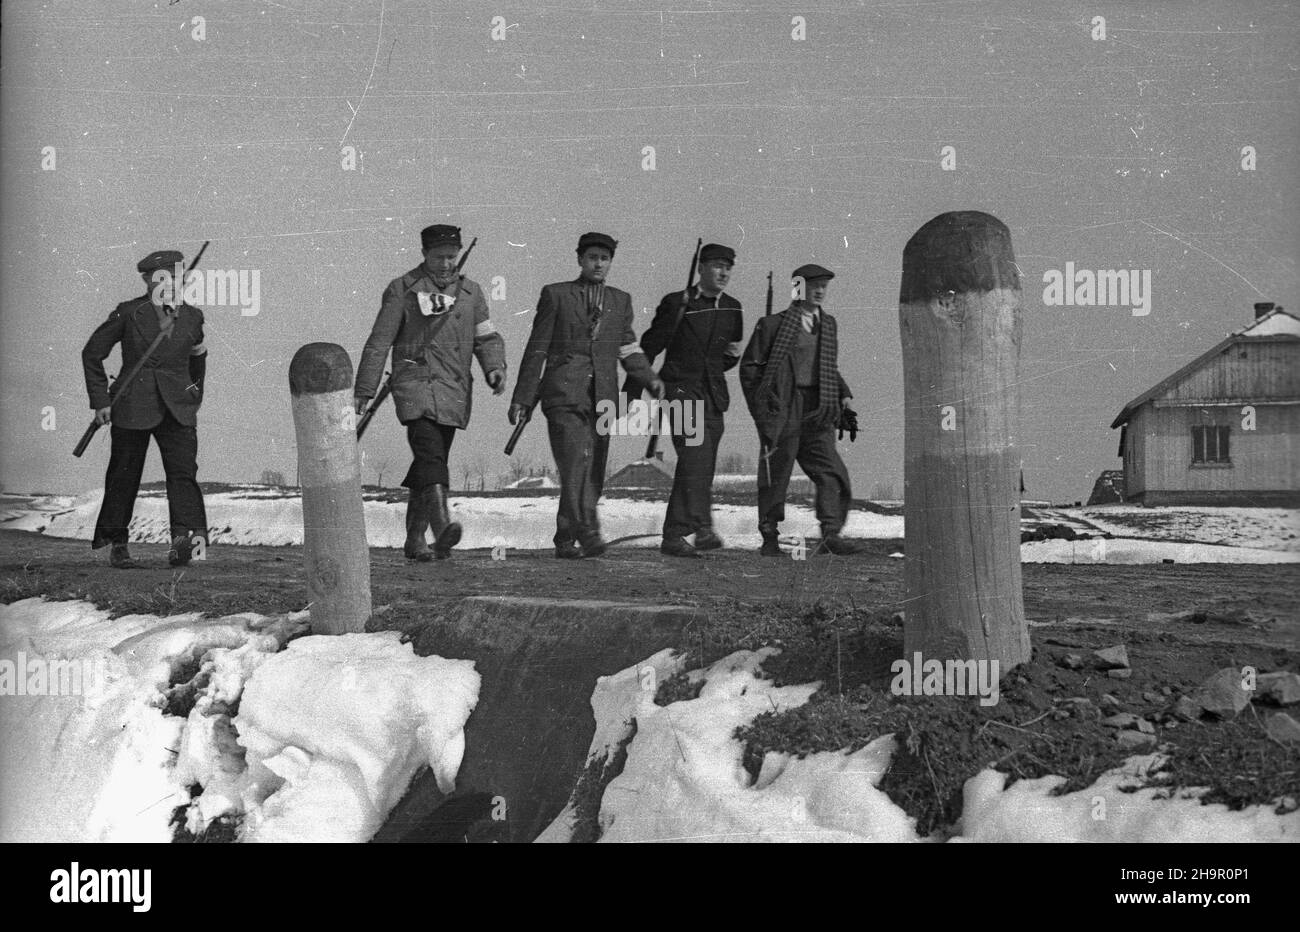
[{"x": 1262, "y": 308}]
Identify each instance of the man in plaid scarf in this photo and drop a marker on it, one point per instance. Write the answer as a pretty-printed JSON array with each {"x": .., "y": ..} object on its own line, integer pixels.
[{"x": 797, "y": 396}]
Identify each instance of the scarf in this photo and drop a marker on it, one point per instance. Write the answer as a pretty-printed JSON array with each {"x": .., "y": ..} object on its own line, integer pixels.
[
  {"x": 828, "y": 384},
  {"x": 595, "y": 302}
]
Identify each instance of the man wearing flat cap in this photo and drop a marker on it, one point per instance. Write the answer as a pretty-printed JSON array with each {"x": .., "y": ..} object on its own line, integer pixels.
[
  {"x": 436, "y": 322},
  {"x": 797, "y": 396},
  {"x": 701, "y": 338},
  {"x": 161, "y": 402},
  {"x": 582, "y": 331}
]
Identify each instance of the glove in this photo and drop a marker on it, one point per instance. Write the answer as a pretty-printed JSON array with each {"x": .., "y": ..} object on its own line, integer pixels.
[
  {"x": 496, "y": 379},
  {"x": 655, "y": 386},
  {"x": 518, "y": 413},
  {"x": 848, "y": 422}
]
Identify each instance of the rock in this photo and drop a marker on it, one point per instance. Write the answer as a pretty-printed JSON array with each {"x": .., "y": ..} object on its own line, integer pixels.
[
  {"x": 1071, "y": 662},
  {"x": 1166, "y": 690},
  {"x": 1119, "y": 673},
  {"x": 1187, "y": 709},
  {"x": 1282, "y": 727},
  {"x": 1150, "y": 697},
  {"x": 1120, "y": 720},
  {"x": 1281, "y": 688},
  {"x": 1109, "y": 702},
  {"x": 1135, "y": 740},
  {"x": 1222, "y": 694},
  {"x": 1145, "y": 727},
  {"x": 1110, "y": 658}
]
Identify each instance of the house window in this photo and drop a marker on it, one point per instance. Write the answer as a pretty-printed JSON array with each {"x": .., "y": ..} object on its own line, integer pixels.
[{"x": 1210, "y": 445}]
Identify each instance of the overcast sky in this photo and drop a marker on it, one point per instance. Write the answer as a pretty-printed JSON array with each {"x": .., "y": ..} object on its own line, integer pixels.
[{"x": 1122, "y": 153}]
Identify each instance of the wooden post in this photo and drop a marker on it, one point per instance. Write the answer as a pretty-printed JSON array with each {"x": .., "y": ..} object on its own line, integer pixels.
[
  {"x": 333, "y": 519},
  {"x": 959, "y": 315}
]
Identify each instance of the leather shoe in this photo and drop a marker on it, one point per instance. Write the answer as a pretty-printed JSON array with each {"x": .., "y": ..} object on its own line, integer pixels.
[
  {"x": 771, "y": 547},
  {"x": 593, "y": 545},
  {"x": 120, "y": 558},
  {"x": 706, "y": 539},
  {"x": 678, "y": 547},
  {"x": 180, "y": 552},
  {"x": 841, "y": 546},
  {"x": 569, "y": 551}
]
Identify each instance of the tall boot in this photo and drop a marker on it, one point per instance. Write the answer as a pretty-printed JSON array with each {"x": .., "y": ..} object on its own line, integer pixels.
[
  {"x": 771, "y": 545},
  {"x": 417, "y": 522},
  {"x": 446, "y": 532}
]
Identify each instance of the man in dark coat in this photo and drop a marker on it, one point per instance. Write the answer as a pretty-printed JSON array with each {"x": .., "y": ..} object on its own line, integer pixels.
[
  {"x": 436, "y": 322},
  {"x": 161, "y": 402},
  {"x": 797, "y": 397},
  {"x": 702, "y": 336},
  {"x": 581, "y": 331}
]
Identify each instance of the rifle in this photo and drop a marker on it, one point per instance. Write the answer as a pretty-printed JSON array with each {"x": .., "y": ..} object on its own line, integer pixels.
[
  {"x": 124, "y": 383},
  {"x": 386, "y": 388},
  {"x": 769, "y": 295},
  {"x": 653, "y": 446}
]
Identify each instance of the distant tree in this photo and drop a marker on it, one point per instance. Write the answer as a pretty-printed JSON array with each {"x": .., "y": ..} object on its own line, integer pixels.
[
  {"x": 883, "y": 492},
  {"x": 380, "y": 468},
  {"x": 480, "y": 468},
  {"x": 272, "y": 477},
  {"x": 519, "y": 467},
  {"x": 735, "y": 464}
]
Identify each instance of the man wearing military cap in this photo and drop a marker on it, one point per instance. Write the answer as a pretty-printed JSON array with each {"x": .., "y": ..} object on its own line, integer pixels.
[
  {"x": 582, "y": 331},
  {"x": 701, "y": 338},
  {"x": 797, "y": 397},
  {"x": 435, "y": 321},
  {"x": 161, "y": 402}
]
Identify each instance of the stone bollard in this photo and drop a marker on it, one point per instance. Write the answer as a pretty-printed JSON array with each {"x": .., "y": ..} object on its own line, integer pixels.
[
  {"x": 337, "y": 557},
  {"x": 959, "y": 315}
]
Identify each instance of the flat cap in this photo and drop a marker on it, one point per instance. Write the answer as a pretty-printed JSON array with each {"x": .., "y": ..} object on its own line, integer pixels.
[
  {"x": 587, "y": 240},
  {"x": 162, "y": 259},
  {"x": 714, "y": 251},
  {"x": 812, "y": 271},
  {"x": 440, "y": 234}
]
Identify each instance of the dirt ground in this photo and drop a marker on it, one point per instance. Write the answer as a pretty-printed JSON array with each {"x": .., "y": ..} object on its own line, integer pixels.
[
  {"x": 835, "y": 619},
  {"x": 270, "y": 580}
]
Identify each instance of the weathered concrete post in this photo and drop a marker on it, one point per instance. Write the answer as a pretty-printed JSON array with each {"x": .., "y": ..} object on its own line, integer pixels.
[
  {"x": 959, "y": 314},
  {"x": 333, "y": 519}
]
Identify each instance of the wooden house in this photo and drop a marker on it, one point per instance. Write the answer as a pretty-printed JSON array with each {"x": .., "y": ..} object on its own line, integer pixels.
[{"x": 1225, "y": 428}]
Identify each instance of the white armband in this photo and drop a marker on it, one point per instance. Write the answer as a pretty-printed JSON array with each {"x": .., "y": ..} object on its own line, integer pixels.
[
  {"x": 629, "y": 349},
  {"x": 484, "y": 328},
  {"x": 198, "y": 349},
  {"x": 735, "y": 349}
]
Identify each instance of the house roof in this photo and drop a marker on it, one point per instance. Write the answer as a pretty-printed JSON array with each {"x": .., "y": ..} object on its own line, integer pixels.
[
  {"x": 640, "y": 465},
  {"x": 1276, "y": 324}
]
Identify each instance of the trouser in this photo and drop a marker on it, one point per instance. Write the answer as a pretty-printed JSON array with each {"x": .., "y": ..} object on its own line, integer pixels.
[
  {"x": 430, "y": 448},
  {"x": 814, "y": 451},
  {"x": 179, "y": 446},
  {"x": 580, "y": 454},
  {"x": 690, "y": 505}
]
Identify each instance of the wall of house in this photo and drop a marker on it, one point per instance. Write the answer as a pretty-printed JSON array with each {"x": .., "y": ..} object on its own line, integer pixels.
[
  {"x": 1266, "y": 459},
  {"x": 1135, "y": 454}
]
